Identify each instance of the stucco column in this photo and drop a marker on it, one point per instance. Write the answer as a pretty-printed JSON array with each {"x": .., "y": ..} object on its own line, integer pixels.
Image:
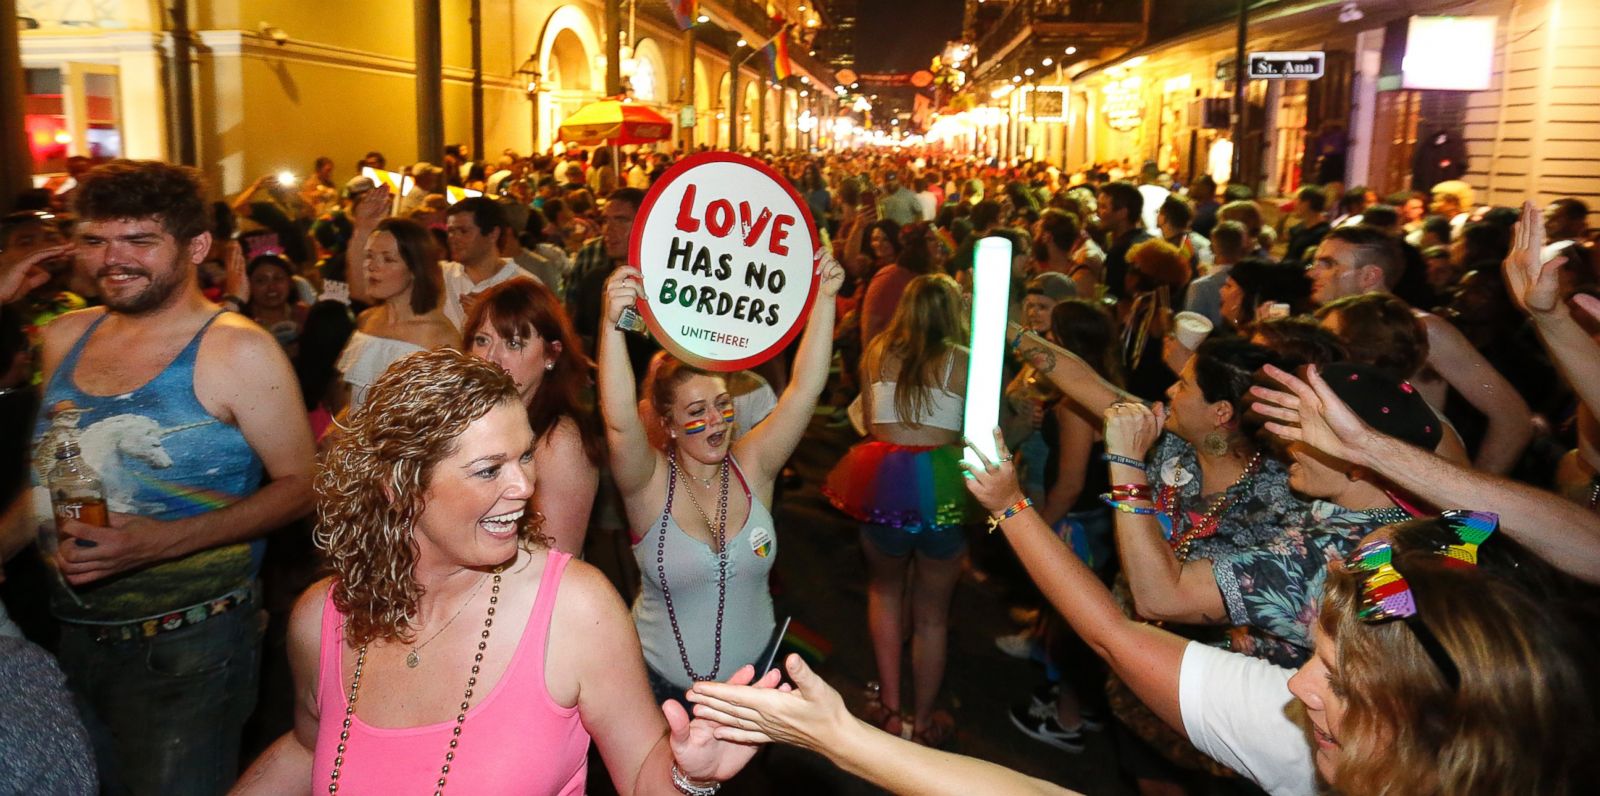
[
  {"x": 13, "y": 139},
  {"x": 430, "y": 81}
]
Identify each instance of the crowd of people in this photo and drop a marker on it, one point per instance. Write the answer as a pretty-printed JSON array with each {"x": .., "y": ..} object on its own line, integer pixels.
[{"x": 1298, "y": 496}]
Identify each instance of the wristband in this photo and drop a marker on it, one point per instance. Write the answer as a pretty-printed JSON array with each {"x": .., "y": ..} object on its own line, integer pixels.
[
  {"x": 1124, "y": 507},
  {"x": 688, "y": 788},
  {"x": 1131, "y": 491},
  {"x": 1114, "y": 458},
  {"x": 1010, "y": 511},
  {"x": 1016, "y": 342}
]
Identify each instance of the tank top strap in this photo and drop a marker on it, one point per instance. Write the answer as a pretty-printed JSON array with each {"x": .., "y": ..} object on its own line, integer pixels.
[
  {"x": 70, "y": 362},
  {"x": 191, "y": 352},
  {"x": 544, "y": 608},
  {"x": 738, "y": 472},
  {"x": 949, "y": 368},
  {"x": 330, "y": 677}
]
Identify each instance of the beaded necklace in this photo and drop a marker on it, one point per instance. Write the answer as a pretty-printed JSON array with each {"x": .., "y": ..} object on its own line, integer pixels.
[
  {"x": 719, "y": 528},
  {"x": 1170, "y": 502},
  {"x": 461, "y": 718}
]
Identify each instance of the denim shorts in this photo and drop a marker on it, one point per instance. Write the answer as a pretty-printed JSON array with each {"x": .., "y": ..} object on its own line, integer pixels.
[{"x": 894, "y": 542}]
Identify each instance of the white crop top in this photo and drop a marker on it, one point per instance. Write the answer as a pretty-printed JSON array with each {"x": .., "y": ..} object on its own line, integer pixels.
[{"x": 944, "y": 409}]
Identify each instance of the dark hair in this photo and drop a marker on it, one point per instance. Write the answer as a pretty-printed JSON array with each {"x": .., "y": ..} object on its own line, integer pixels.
[
  {"x": 1237, "y": 192},
  {"x": 1380, "y": 330},
  {"x": 1372, "y": 247},
  {"x": 1312, "y": 195},
  {"x": 1264, "y": 281},
  {"x": 552, "y": 209},
  {"x": 1178, "y": 211},
  {"x": 985, "y": 214},
  {"x": 1125, "y": 195},
  {"x": 487, "y": 214},
  {"x": 891, "y": 230},
  {"x": 326, "y": 330},
  {"x": 1243, "y": 211},
  {"x": 1503, "y": 217},
  {"x": 1087, "y": 330},
  {"x": 1225, "y": 367},
  {"x": 323, "y": 161},
  {"x": 1380, "y": 216},
  {"x": 263, "y": 260},
  {"x": 518, "y": 308},
  {"x": 1228, "y": 240},
  {"x": 1484, "y": 243},
  {"x": 1571, "y": 209},
  {"x": 1439, "y": 227},
  {"x": 913, "y": 255},
  {"x": 144, "y": 189},
  {"x": 421, "y": 254},
  {"x": 627, "y": 196},
  {"x": 1061, "y": 226},
  {"x": 1353, "y": 199}
]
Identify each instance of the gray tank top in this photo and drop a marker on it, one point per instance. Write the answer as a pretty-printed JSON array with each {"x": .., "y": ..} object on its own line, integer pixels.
[{"x": 691, "y": 566}]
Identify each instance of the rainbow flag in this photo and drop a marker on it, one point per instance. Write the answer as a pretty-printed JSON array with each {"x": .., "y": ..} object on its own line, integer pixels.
[
  {"x": 778, "y": 55},
  {"x": 684, "y": 11}
]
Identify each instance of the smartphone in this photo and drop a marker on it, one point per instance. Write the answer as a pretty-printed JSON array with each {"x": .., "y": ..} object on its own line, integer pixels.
[{"x": 769, "y": 654}]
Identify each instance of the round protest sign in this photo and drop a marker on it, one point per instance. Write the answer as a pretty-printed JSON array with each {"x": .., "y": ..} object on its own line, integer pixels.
[{"x": 727, "y": 250}]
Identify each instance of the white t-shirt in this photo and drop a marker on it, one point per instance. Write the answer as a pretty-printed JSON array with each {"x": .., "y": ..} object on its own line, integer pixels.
[
  {"x": 457, "y": 285},
  {"x": 1234, "y": 710}
]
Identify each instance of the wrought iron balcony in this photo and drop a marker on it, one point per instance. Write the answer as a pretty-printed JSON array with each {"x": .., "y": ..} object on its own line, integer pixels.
[{"x": 1047, "y": 22}]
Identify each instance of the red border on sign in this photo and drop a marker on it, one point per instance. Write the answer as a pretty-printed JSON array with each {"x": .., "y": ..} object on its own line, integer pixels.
[{"x": 678, "y": 170}]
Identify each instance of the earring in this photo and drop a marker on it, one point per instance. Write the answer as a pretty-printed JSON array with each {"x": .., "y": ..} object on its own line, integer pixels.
[
  {"x": 549, "y": 366},
  {"x": 1214, "y": 444}
]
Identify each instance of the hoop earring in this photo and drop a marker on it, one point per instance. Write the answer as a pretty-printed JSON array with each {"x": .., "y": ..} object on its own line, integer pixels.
[{"x": 1214, "y": 444}]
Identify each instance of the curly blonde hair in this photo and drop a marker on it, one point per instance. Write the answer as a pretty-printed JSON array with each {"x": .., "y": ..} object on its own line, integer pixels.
[{"x": 371, "y": 482}]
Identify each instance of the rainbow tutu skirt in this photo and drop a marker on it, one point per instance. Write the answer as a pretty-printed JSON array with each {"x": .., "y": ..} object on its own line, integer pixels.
[{"x": 911, "y": 488}]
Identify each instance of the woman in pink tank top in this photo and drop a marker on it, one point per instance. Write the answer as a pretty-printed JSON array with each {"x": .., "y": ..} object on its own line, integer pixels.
[{"x": 452, "y": 649}]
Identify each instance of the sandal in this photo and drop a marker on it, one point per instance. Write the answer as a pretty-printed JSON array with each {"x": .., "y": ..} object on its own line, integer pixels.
[
  {"x": 941, "y": 730},
  {"x": 882, "y": 716}
]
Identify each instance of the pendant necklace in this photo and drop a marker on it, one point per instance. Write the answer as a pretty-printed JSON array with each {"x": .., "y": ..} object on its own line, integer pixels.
[
  {"x": 413, "y": 658},
  {"x": 719, "y": 528}
]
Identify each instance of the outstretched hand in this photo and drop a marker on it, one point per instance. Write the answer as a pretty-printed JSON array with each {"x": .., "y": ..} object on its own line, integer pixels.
[
  {"x": 1534, "y": 284},
  {"x": 1310, "y": 412},
  {"x": 19, "y": 278},
  {"x": 624, "y": 288},
  {"x": 372, "y": 206},
  {"x": 829, "y": 273},
  {"x": 701, "y": 754},
  {"x": 994, "y": 484},
  {"x": 811, "y": 715}
]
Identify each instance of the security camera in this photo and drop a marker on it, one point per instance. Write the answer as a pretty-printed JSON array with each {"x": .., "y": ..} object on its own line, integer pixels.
[{"x": 275, "y": 33}]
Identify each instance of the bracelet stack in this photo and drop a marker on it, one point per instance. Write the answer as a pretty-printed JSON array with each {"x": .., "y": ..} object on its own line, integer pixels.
[
  {"x": 1132, "y": 492},
  {"x": 1126, "y": 507},
  {"x": 1010, "y": 511},
  {"x": 688, "y": 788},
  {"x": 1114, "y": 458}
]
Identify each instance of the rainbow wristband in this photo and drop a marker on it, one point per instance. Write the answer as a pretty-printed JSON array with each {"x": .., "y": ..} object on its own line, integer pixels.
[
  {"x": 1010, "y": 511},
  {"x": 1125, "y": 507},
  {"x": 1017, "y": 342}
]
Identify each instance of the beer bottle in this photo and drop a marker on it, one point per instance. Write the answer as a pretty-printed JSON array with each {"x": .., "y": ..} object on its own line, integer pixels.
[{"x": 75, "y": 489}]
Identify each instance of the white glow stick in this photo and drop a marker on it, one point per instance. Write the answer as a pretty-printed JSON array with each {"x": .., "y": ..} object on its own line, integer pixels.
[{"x": 991, "y": 299}]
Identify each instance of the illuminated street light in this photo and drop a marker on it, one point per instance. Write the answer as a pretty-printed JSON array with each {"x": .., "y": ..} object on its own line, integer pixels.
[
  {"x": 1048, "y": 61},
  {"x": 1028, "y": 71},
  {"x": 702, "y": 19},
  {"x": 742, "y": 43},
  {"x": 1016, "y": 78}
]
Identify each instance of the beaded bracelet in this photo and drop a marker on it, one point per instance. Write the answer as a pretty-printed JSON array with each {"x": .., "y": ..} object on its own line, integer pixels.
[
  {"x": 1010, "y": 511},
  {"x": 1131, "y": 491},
  {"x": 1114, "y": 458},
  {"x": 687, "y": 788},
  {"x": 1125, "y": 507}
]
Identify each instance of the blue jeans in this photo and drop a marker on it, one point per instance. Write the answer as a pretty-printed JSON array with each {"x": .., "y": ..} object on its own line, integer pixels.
[{"x": 169, "y": 709}]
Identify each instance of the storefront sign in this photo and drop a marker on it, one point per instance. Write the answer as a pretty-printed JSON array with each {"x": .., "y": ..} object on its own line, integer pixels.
[
  {"x": 1046, "y": 103},
  {"x": 686, "y": 116},
  {"x": 1286, "y": 65},
  {"x": 1124, "y": 106},
  {"x": 727, "y": 250}
]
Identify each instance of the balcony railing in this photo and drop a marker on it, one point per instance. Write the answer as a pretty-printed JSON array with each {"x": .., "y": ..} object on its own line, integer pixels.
[{"x": 1100, "y": 20}]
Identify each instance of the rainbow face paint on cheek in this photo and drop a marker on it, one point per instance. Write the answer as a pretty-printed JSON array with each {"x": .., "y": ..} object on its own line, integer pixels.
[
  {"x": 694, "y": 426},
  {"x": 727, "y": 415}
]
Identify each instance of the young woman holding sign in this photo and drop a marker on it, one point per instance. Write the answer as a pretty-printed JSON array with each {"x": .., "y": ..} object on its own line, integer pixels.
[{"x": 702, "y": 531}]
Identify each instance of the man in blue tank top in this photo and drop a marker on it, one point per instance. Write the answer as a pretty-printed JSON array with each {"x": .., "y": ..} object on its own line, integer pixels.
[{"x": 192, "y": 420}]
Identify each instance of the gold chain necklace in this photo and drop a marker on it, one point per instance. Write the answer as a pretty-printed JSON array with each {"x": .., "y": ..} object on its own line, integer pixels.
[
  {"x": 461, "y": 718},
  {"x": 413, "y": 658},
  {"x": 714, "y": 528}
]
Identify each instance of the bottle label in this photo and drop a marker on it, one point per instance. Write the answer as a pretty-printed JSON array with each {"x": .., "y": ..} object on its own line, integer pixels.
[{"x": 88, "y": 512}]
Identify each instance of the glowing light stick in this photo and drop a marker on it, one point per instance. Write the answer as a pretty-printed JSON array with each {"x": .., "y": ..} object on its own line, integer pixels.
[{"x": 991, "y": 298}]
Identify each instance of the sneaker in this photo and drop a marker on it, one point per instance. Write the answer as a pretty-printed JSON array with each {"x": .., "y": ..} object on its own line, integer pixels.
[
  {"x": 1046, "y": 729},
  {"x": 1018, "y": 645},
  {"x": 1042, "y": 704}
]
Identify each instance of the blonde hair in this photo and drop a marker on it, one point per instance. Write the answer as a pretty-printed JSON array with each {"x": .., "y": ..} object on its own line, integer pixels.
[
  {"x": 371, "y": 483},
  {"x": 929, "y": 321},
  {"x": 1521, "y": 720}
]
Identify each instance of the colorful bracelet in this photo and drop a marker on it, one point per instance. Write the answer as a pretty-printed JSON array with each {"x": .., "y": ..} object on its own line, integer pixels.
[
  {"x": 1017, "y": 342},
  {"x": 1131, "y": 491},
  {"x": 1010, "y": 511},
  {"x": 1114, "y": 458},
  {"x": 1124, "y": 507}
]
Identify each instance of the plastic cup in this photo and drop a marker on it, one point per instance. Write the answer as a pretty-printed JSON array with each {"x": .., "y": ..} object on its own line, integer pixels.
[{"x": 1192, "y": 329}]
